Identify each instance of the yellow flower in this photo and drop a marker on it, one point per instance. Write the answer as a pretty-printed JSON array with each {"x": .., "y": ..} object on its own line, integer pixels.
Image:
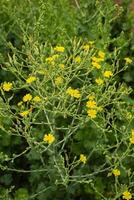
[
  {"x": 96, "y": 60},
  {"x": 86, "y": 47},
  {"x": 132, "y": 140},
  {"x": 37, "y": 99},
  {"x": 96, "y": 65},
  {"x": 132, "y": 132},
  {"x": 24, "y": 113},
  {"x": 58, "y": 80},
  {"x": 27, "y": 97},
  {"x": 20, "y": 103},
  {"x": 83, "y": 158},
  {"x": 127, "y": 195},
  {"x": 116, "y": 172},
  {"x": 50, "y": 60},
  {"x": 107, "y": 74},
  {"x": 62, "y": 66},
  {"x": 59, "y": 49},
  {"x": 30, "y": 79},
  {"x": 99, "y": 81},
  {"x": 128, "y": 60},
  {"x": 92, "y": 113},
  {"x": 49, "y": 138},
  {"x": 91, "y": 104},
  {"x": 101, "y": 54},
  {"x": 77, "y": 59},
  {"x": 73, "y": 92},
  {"x": 7, "y": 86}
]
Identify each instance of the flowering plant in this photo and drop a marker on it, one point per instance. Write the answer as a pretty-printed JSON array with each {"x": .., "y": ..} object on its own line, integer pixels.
[{"x": 66, "y": 118}]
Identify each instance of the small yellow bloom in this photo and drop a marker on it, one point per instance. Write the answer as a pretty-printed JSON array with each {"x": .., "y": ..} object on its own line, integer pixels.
[
  {"x": 99, "y": 81},
  {"x": 96, "y": 60},
  {"x": 107, "y": 74},
  {"x": 116, "y": 172},
  {"x": 86, "y": 47},
  {"x": 128, "y": 60},
  {"x": 30, "y": 79},
  {"x": 73, "y": 92},
  {"x": 36, "y": 99},
  {"x": 50, "y": 60},
  {"x": 59, "y": 49},
  {"x": 77, "y": 59},
  {"x": 83, "y": 158},
  {"x": 132, "y": 140},
  {"x": 62, "y": 66},
  {"x": 49, "y": 138},
  {"x": 91, "y": 104},
  {"x": 127, "y": 195},
  {"x": 27, "y": 97},
  {"x": 92, "y": 113},
  {"x": 96, "y": 65},
  {"x": 101, "y": 54},
  {"x": 58, "y": 80},
  {"x": 20, "y": 103},
  {"x": 7, "y": 86},
  {"x": 24, "y": 113}
]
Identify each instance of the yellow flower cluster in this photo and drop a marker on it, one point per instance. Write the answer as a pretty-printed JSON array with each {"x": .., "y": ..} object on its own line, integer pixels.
[
  {"x": 49, "y": 138},
  {"x": 52, "y": 59},
  {"x": 73, "y": 92},
  {"x": 107, "y": 74},
  {"x": 127, "y": 195},
  {"x": 83, "y": 158},
  {"x": 96, "y": 65},
  {"x": 59, "y": 49},
  {"x": 24, "y": 113},
  {"x": 96, "y": 60},
  {"x": 87, "y": 46},
  {"x": 30, "y": 79},
  {"x": 92, "y": 107},
  {"x": 132, "y": 136},
  {"x": 27, "y": 97},
  {"x": 36, "y": 99},
  {"x": 116, "y": 172},
  {"x": 7, "y": 86}
]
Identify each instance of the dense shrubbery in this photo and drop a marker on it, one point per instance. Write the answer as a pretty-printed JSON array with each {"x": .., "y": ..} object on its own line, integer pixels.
[{"x": 66, "y": 114}]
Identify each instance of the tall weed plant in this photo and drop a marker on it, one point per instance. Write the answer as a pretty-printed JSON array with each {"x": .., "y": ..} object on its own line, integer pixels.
[{"x": 66, "y": 119}]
